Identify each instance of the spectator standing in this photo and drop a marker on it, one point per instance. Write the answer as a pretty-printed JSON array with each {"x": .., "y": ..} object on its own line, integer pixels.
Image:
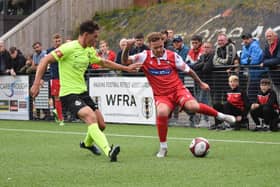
[
  {"x": 139, "y": 44},
  {"x": 225, "y": 55},
  {"x": 17, "y": 59},
  {"x": 203, "y": 67},
  {"x": 38, "y": 54},
  {"x": 252, "y": 55},
  {"x": 55, "y": 83},
  {"x": 179, "y": 46},
  {"x": 170, "y": 34},
  {"x": 106, "y": 53},
  {"x": 195, "y": 51},
  {"x": 168, "y": 43},
  {"x": 193, "y": 55},
  {"x": 5, "y": 60},
  {"x": 181, "y": 49},
  {"x": 272, "y": 56},
  {"x": 266, "y": 107},
  {"x": 122, "y": 45}
]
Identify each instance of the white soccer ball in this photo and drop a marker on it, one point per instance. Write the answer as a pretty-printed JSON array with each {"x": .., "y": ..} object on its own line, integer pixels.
[{"x": 199, "y": 147}]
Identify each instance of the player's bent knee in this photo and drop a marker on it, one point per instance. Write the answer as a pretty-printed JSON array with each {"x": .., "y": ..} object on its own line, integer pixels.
[
  {"x": 87, "y": 115},
  {"x": 192, "y": 106}
]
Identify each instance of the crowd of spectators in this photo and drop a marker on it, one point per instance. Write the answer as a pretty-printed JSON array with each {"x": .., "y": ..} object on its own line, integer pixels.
[{"x": 251, "y": 65}]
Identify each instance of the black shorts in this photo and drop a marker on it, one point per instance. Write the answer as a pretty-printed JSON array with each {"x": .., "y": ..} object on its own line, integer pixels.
[{"x": 74, "y": 102}]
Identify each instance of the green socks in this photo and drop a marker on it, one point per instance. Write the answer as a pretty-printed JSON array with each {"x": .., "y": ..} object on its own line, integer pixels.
[
  {"x": 98, "y": 137},
  {"x": 88, "y": 140}
]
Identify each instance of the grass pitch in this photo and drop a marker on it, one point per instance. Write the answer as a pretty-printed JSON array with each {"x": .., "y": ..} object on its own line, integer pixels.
[{"x": 44, "y": 154}]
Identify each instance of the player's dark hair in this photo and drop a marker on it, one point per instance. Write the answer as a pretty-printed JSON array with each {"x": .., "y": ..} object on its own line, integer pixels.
[{"x": 89, "y": 27}]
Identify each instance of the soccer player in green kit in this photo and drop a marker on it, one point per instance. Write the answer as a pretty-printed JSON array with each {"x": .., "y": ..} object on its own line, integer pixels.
[{"x": 74, "y": 58}]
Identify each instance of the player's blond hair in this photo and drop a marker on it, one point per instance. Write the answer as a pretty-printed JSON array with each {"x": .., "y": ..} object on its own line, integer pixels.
[{"x": 233, "y": 78}]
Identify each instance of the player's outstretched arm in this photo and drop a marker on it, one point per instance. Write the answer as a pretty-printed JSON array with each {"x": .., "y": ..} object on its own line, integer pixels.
[
  {"x": 196, "y": 78},
  {"x": 113, "y": 65},
  {"x": 41, "y": 69}
]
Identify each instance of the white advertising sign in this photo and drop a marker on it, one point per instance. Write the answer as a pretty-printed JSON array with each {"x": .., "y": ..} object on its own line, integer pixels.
[
  {"x": 123, "y": 99},
  {"x": 14, "y": 97}
]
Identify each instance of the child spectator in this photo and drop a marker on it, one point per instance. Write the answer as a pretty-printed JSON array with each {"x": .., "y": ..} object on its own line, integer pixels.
[
  {"x": 266, "y": 107},
  {"x": 104, "y": 52},
  {"x": 237, "y": 104}
]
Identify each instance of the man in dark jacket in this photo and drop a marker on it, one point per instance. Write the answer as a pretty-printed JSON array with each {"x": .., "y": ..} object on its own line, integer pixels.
[
  {"x": 271, "y": 57},
  {"x": 139, "y": 44},
  {"x": 225, "y": 57},
  {"x": 17, "y": 59},
  {"x": 5, "y": 64},
  {"x": 203, "y": 67}
]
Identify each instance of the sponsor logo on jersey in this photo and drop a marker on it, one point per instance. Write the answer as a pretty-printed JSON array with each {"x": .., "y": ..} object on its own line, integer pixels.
[
  {"x": 160, "y": 71},
  {"x": 78, "y": 103}
]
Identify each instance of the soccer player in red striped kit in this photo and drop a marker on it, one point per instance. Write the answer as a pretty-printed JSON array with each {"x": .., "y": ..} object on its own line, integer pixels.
[{"x": 161, "y": 68}]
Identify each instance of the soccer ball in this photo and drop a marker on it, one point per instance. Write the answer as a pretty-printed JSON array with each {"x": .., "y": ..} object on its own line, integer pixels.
[{"x": 199, "y": 147}]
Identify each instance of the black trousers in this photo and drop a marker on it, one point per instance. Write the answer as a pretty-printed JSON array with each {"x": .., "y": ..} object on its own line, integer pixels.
[
  {"x": 268, "y": 114},
  {"x": 228, "y": 108}
]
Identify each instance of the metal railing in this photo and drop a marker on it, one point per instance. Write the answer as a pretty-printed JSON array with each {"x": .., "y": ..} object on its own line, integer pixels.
[{"x": 217, "y": 79}]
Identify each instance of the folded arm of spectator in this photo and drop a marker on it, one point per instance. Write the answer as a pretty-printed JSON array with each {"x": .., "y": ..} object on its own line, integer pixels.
[
  {"x": 271, "y": 62},
  {"x": 229, "y": 58}
]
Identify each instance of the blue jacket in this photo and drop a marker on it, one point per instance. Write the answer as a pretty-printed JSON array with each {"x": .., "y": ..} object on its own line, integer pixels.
[
  {"x": 183, "y": 52},
  {"x": 252, "y": 54}
]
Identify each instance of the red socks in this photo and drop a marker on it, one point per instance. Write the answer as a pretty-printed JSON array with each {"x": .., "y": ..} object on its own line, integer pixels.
[
  {"x": 207, "y": 110},
  {"x": 162, "y": 127},
  {"x": 58, "y": 108}
]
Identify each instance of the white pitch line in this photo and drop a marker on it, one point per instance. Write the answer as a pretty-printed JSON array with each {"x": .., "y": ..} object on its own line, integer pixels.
[{"x": 136, "y": 136}]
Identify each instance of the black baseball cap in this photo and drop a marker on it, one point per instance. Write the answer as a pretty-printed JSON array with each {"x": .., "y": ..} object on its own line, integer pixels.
[
  {"x": 246, "y": 36},
  {"x": 177, "y": 38}
]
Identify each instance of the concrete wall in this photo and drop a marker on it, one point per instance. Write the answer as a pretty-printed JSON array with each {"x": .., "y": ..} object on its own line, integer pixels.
[{"x": 57, "y": 16}]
